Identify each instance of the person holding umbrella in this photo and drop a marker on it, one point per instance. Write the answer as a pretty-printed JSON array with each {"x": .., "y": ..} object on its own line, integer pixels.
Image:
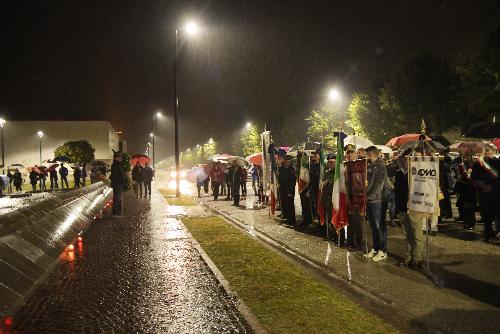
[
  {"x": 63, "y": 171},
  {"x": 217, "y": 176},
  {"x": 18, "y": 180},
  {"x": 137, "y": 179},
  {"x": 33, "y": 177},
  {"x": 53, "y": 177},
  {"x": 147, "y": 177}
]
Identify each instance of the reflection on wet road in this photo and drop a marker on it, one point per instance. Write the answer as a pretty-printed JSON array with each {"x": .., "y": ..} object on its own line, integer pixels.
[{"x": 132, "y": 275}]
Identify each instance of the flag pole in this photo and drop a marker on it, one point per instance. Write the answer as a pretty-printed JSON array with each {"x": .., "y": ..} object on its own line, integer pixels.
[{"x": 364, "y": 219}]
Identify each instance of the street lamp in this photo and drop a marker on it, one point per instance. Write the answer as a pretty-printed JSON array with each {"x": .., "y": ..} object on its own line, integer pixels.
[
  {"x": 334, "y": 95},
  {"x": 152, "y": 134},
  {"x": 249, "y": 125},
  {"x": 191, "y": 28},
  {"x": 210, "y": 141},
  {"x": 40, "y": 134},
  {"x": 2, "y": 123}
]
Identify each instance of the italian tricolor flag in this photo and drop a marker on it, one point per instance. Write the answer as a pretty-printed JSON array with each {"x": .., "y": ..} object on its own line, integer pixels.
[
  {"x": 304, "y": 172},
  {"x": 339, "y": 199}
]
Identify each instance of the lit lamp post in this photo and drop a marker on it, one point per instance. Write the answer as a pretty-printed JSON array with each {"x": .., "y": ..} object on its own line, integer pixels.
[
  {"x": 191, "y": 28},
  {"x": 40, "y": 134},
  {"x": 334, "y": 95},
  {"x": 2, "y": 123},
  {"x": 155, "y": 116}
]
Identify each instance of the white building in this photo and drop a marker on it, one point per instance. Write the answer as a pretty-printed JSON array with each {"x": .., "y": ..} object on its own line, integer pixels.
[{"x": 22, "y": 143}]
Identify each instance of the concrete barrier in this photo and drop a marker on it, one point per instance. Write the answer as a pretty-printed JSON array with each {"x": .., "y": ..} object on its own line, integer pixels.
[{"x": 33, "y": 237}]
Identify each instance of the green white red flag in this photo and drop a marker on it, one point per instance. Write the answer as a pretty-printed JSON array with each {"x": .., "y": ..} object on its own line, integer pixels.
[
  {"x": 322, "y": 167},
  {"x": 304, "y": 178},
  {"x": 339, "y": 198}
]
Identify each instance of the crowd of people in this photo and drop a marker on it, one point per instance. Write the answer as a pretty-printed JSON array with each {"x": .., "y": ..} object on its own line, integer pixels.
[
  {"x": 474, "y": 181},
  {"x": 142, "y": 176}
]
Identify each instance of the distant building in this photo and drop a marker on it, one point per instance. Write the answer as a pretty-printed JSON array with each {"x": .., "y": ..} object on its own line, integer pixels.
[{"x": 22, "y": 143}]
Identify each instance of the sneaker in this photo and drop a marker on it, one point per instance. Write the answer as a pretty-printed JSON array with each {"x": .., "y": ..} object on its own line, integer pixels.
[
  {"x": 370, "y": 254},
  {"x": 379, "y": 256}
]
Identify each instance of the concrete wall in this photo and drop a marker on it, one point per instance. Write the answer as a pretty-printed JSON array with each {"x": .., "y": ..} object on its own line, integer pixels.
[{"x": 22, "y": 142}]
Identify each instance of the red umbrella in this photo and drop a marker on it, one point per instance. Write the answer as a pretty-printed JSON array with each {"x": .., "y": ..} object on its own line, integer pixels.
[
  {"x": 401, "y": 140},
  {"x": 255, "y": 159},
  {"x": 467, "y": 147},
  {"x": 52, "y": 167},
  {"x": 141, "y": 158}
]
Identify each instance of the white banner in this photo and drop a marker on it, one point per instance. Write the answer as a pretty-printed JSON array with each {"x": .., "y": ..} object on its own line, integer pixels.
[{"x": 424, "y": 184}]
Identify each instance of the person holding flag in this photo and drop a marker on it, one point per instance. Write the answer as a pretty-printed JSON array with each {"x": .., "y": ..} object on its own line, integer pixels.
[
  {"x": 304, "y": 181},
  {"x": 377, "y": 174},
  {"x": 339, "y": 198},
  {"x": 325, "y": 206},
  {"x": 286, "y": 181}
]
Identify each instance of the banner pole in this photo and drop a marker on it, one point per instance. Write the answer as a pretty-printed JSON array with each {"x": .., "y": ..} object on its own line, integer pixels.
[{"x": 428, "y": 222}]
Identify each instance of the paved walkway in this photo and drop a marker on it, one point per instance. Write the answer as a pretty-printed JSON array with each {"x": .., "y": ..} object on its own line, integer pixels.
[
  {"x": 136, "y": 274},
  {"x": 469, "y": 302}
]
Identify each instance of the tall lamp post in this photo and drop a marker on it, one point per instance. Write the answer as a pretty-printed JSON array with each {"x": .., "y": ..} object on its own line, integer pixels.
[
  {"x": 2, "y": 123},
  {"x": 40, "y": 134},
  {"x": 191, "y": 28},
  {"x": 155, "y": 115},
  {"x": 334, "y": 95}
]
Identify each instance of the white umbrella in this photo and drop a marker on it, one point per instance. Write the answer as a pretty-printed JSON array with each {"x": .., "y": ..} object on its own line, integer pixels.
[
  {"x": 357, "y": 141},
  {"x": 384, "y": 149},
  {"x": 239, "y": 160}
]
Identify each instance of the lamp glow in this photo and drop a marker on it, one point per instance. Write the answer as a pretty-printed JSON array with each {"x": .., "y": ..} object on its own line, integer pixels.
[{"x": 191, "y": 28}]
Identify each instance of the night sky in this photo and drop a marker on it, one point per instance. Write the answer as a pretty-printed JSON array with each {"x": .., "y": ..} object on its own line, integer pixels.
[{"x": 259, "y": 61}]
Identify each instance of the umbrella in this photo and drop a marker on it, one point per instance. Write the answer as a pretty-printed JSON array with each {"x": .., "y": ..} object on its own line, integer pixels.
[
  {"x": 62, "y": 158},
  {"x": 401, "y": 140},
  {"x": 52, "y": 167},
  {"x": 467, "y": 147},
  {"x": 34, "y": 169},
  {"x": 220, "y": 157},
  {"x": 239, "y": 160},
  {"x": 484, "y": 130},
  {"x": 437, "y": 146},
  {"x": 357, "y": 141},
  {"x": 16, "y": 166},
  {"x": 141, "y": 158},
  {"x": 255, "y": 159},
  {"x": 384, "y": 149},
  {"x": 196, "y": 174}
]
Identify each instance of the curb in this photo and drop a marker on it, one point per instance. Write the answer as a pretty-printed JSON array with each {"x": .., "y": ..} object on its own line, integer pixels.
[
  {"x": 323, "y": 272},
  {"x": 249, "y": 317}
]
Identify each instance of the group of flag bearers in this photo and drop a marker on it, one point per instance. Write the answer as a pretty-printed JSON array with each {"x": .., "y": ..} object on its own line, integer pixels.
[{"x": 342, "y": 194}]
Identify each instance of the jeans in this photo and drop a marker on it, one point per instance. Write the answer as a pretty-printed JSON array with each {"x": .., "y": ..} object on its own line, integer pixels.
[
  {"x": 64, "y": 179},
  {"x": 236, "y": 194},
  {"x": 379, "y": 230},
  {"x": 216, "y": 186},
  {"x": 53, "y": 183},
  {"x": 117, "y": 201}
]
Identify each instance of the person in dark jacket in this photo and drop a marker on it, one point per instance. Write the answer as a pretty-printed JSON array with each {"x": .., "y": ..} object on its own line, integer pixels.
[
  {"x": 33, "y": 178},
  {"x": 467, "y": 195},
  {"x": 77, "y": 175},
  {"x": 147, "y": 177},
  {"x": 485, "y": 179},
  {"x": 314, "y": 176},
  {"x": 286, "y": 180},
  {"x": 18, "y": 180},
  {"x": 53, "y": 179},
  {"x": 118, "y": 182},
  {"x": 137, "y": 179},
  {"x": 63, "y": 171},
  {"x": 229, "y": 182},
  {"x": 84, "y": 175},
  {"x": 235, "y": 176},
  {"x": 377, "y": 175},
  {"x": 11, "y": 180},
  {"x": 326, "y": 195}
]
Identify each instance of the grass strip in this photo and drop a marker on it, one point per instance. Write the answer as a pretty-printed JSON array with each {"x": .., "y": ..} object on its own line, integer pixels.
[
  {"x": 183, "y": 200},
  {"x": 284, "y": 297}
]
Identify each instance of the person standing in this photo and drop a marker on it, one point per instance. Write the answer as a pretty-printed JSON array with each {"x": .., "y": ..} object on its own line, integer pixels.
[
  {"x": 314, "y": 176},
  {"x": 42, "y": 176},
  {"x": 137, "y": 179},
  {"x": 235, "y": 177},
  {"x": 84, "y": 174},
  {"x": 118, "y": 182},
  {"x": 485, "y": 179},
  {"x": 63, "y": 171},
  {"x": 33, "y": 178},
  {"x": 229, "y": 182},
  {"x": 286, "y": 180},
  {"x": 147, "y": 177},
  {"x": 217, "y": 176},
  {"x": 11, "y": 180},
  {"x": 254, "y": 172},
  {"x": 376, "y": 179},
  {"x": 326, "y": 194},
  {"x": 18, "y": 180},
  {"x": 243, "y": 181},
  {"x": 412, "y": 226},
  {"x": 53, "y": 179},
  {"x": 77, "y": 175}
]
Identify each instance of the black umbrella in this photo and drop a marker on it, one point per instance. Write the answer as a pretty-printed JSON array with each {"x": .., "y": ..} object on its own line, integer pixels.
[
  {"x": 484, "y": 130},
  {"x": 62, "y": 158},
  {"x": 437, "y": 146}
]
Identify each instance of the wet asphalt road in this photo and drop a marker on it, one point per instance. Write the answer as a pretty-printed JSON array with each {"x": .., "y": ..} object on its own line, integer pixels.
[{"x": 139, "y": 274}]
